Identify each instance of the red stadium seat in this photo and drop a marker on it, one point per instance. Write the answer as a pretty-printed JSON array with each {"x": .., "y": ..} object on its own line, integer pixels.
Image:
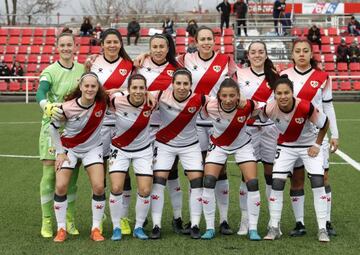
[
  {"x": 14, "y": 86},
  {"x": 51, "y": 32},
  {"x": 33, "y": 58},
  {"x": 45, "y": 59},
  {"x": 8, "y": 59},
  {"x": 317, "y": 57},
  {"x": 37, "y": 41},
  {"x": 218, "y": 40},
  {"x": 27, "y": 32},
  {"x": 84, "y": 49},
  {"x": 191, "y": 40},
  {"x": 14, "y": 40},
  {"x": 325, "y": 40},
  {"x": 3, "y": 40},
  {"x": 228, "y": 32},
  {"x": 20, "y": 58},
  {"x": 332, "y": 31},
  {"x": 229, "y": 49},
  {"x": 4, "y": 32},
  {"x": 23, "y": 49},
  {"x": 82, "y": 58},
  {"x": 315, "y": 48},
  {"x": 31, "y": 68},
  {"x": 341, "y": 67},
  {"x": 322, "y": 32},
  {"x": 39, "y": 32},
  {"x": 30, "y": 86},
  {"x": 335, "y": 85},
  {"x": 356, "y": 85},
  {"x": 180, "y": 49},
  {"x": 95, "y": 50},
  {"x": 84, "y": 40},
  {"x": 50, "y": 40},
  {"x": 329, "y": 67},
  {"x": 11, "y": 49},
  {"x": 354, "y": 66},
  {"x": 26, "y": 40},
  {"x": 144, "y": 32},
  {"x": 47, "y": 49},
  {"x": 14, "y": 32},
  {"x": 228, "y": 40},
  {"x": 326, "y": 49},
  {"x": 35, "y": 49},
  {"x": 337, "y": 40},
  {"x": 180, "y": 40},
  {"x": 329, "y": 58},
  {"x": 345, "y": 85},
  {"x": 217, "y": 31},
  {"x": 42, "y": 67},
  {"x": 217, "y": 47},
  {"x": 3, "y": 86},
  {"x": 296, "y": 31},
  {"x": 306, "y": 31},
  {"x": 123, "y": 31},
  {"x": 181, "y": 31},
  {"x": 349, "y": 39},
  {"x": 2, "y": 50}
]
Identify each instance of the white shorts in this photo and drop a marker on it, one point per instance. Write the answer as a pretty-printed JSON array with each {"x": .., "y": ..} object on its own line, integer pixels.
[
  {"x": 107, "y": 133},
  {"x": 217, "y": 155},
  {"x": 287, "y": 156},
  {"x": 204, "y": 136},
  {"x": 120, "y": 160},
  {"x": 325, "y": 147},
  {"x": 264, "y": 140},
  {"x": 94, "y": 156},
  {"x": 190, "y": 157}
]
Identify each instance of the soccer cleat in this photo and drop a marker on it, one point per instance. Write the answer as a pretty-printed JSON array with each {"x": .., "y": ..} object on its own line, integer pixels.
[
  {"x": 273, "y": 234},
  {"x": 244, "y": 227},
  {"x": 329, "y": 228},
  {"x": 71, "y": 229},
  {"x": 208, "y": 235},
  {"x": 116, "y": 236},
  {"x": 299, "y": 230},
  {"x": 155, "y": 233},
  {"x": 96, "y": 235},
  {"x": 195, "y": 232},
  {"x": 254, "y": 236},
  {"x": 140, "y": 234},
  {"x": 60, "y": 236},
  {"x": 323, "y": 235},
  {"x": 177, "y": 225},
  {"x": 46, "y": 228},
  {"x": 125, "y": 226},
  {"x": 225, "y": 228},
  {"x": 187, "y": 228}
]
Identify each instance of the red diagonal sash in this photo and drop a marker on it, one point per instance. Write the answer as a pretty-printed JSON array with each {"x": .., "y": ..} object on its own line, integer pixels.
[
  {"x": 163, "y": 80},
  {"x": 296, "y": 124},
  {"x": 91, "y": 125},
  {"x": 139, "y": 125},
  {"x": 262, "y": 94},
  {"x": 181, "y": 121},
  {"x": 119, "y": 75},
  {"x": 311, "y": 86},
  {"x": 212, "y": 75},
  {"x": 234, "y": 128}
]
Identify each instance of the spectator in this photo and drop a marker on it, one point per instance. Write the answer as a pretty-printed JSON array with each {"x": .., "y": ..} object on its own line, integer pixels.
[
  {"x": 168, "y": 26},
  {"x": 354, "y": 52},
  {"x": 342, "y": 52},
  {"x": 96, "y": 33},
  {"x": 192, "y": 27},
  {"x": 279, "y": 14},
  {"x": 240, "y": 9},
  {"x": 4, "y": 70},
  {"x": 66, "y": 29},
  {"x": 314, "y": 35},
  {"x": 133, "y": 29},
  {"x": 225, "y": 9},
  {"x": 16, "y": 69},
  {"x": 354, "y": 26},
  {"x": 86, "y": 27}
]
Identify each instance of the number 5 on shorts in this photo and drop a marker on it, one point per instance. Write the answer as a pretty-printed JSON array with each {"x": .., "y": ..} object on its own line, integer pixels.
[{"x": 277, "y": 155}]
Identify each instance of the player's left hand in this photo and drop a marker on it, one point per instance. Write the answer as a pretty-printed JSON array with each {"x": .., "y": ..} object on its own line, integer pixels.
[
  {"x": 313, "y": 151},
  {"x": 334, "y": 144},
  {"x": 112, "y": 91},
  {"x": 150, "y": 100},
  {"x": 54, "y": 111},
  {"x": 60, "y": 159},
  {"x": 90, "y": 61}
]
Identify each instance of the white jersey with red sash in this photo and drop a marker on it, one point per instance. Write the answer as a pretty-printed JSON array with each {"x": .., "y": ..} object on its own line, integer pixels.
[
  {"x": 82, "y": 126},
  {"x": 132, "y": 124},
  {"x": 112, "y": 75},
  {"x": 158, "y": 77},
  {"x": 298, "y": 127},
  {"x": 178, "y": 119},
  {"x": 229, "y": 132},
  {"x": 254, "y": 86}
]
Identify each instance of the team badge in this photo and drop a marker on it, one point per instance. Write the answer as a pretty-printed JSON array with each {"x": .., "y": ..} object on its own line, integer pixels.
[
  {"x": 314, "y": 84},
  {"x": 299, "y": 120},
  {"x": 241, "y": 119},
  {"x": 146, "y": 114},
  {"x": 51, "y": 151},
  {"x": 217, "y": 68},
  {"x": 170, "y": 73},
  {"x": 123, "y": 72},
  {"x": 98, "y": 114},
  {"x": 192, "y": 109}
]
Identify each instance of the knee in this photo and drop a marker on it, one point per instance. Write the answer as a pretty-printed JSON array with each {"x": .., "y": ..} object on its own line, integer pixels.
[
  {"x": 278, "y": 184},
  {"x": 61, "y": 188},
  {"x": 144, "y": 191},
  {"x": 326, "y": 178},
  {"x": 252, "y": 185},
  {"x": 98, "y": 188},
  {"x": 197, "y": 183},
  {"x": 317, "y": 181},
  {"x": 116, "y": 188},
  {"x": 210, "y": 181}
]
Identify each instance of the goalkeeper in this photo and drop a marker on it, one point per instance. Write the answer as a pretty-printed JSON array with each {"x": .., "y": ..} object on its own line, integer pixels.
[{"x": 56, "y": 81}]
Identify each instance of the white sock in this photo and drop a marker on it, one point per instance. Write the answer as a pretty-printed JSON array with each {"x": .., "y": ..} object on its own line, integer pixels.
[
  {"x": 276, "y": 204},
  {"x": 243, "y": 193},
  {"x": 320, "y": 204},
  {"x": 297, "y": 203},
  {"x": 208, "y": 199},
  {"x": 126, "y": 198},
  {"x": 175, "y": 197},
  {"x": 196, "y": 206},
  {"x": 98, "y": 209},
  {"x": 222, "y": 199},
  {"x": 60, "y": 213},
  {"x": 115, "y": 205},
  {"x": 157, "y": 203},
  {"x": 267, "y": 191},
  {"x": 329, "y": 201},
  {"x": 253, "y": 209},
  {"x": 141, "y": 209}
]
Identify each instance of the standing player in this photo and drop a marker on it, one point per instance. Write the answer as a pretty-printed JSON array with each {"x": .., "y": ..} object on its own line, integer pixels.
[
  {"x": 113, "y": 68},
  {"x": 56, "y": 81},
  {"x": 83, "y": 111},
  {"x": 312, "y": 85},
  {"x": 295, "y": 119},
  {"x": 230, "y": 138},
  {"x": 255, "y": 83},
  {"x": 131, "y": 144}
]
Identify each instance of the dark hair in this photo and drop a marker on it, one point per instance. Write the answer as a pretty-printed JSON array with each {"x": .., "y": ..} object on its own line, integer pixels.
[
  {"x": 170, "y": 56},
  {"x": 62, "y": 34},
  {"x": 228, "y": 83},
  {"x": 271, "y": 74},
  {"x": 136, "y": 77},
  {"x": 203, "y": 28},
  {"x": 313, "y": 62},
  {"x": 284, "y": 80},
  {"x": 100, "y": 95},
  {"x": 112, "y": 31},
  {"x": 182, "y": 71}
]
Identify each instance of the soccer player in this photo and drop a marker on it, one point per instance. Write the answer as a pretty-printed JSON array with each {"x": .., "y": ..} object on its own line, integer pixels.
[
  {"x": 230, "y": 138},
  {"x": 313, "y": 85},
  {"x": 295, "y": 118},
  {"x": 177, "y": 136},
  {"x": 56, "y": 81},
  {"x": 255, "y": 83},
  {"x": 114, "y": 68},
  {"x": 83, "y": 114},
  {"x": 131, "y": 143}
]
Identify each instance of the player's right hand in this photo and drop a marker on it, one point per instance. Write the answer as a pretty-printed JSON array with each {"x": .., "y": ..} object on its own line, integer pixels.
[
  {"x": 139, "y": 60},
  {"x": 60, "y": 159},
  {"x": 53, "y": 111}
]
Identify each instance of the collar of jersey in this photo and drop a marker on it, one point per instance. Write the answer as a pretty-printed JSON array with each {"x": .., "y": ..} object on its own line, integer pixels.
[
  {"x": 203, "y": 59},
  {"x": 81, "y": 106},
  {"x": 257, "y": 74},
  {"x": 292, "y": 107},
  {"x": 303, "y": 73},
  {"x": 68, "y": 68},
  {"x": 184, "y": 99},
  {"x": 111, "y": 62}
]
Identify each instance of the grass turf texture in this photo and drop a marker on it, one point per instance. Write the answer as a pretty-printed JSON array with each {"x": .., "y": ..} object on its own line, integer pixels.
[{"x": 20, "y": 215}]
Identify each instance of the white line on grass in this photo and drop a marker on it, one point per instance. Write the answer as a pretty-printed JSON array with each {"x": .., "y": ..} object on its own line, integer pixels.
[
  {"x": 346, "y": 157},
  {"x": 19, "y": 122}
]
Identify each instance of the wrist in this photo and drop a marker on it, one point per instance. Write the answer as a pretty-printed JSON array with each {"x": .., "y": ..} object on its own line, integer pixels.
[{"x": 317, "y": 145}]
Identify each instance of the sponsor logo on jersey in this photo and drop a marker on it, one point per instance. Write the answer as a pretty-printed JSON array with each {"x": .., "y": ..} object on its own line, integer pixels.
[
  {"x": 217, "y": 68},
  {"x": 146, "y": 114},
  {"x": 241, "y": 119},
  {"x": 98, "y": 114},
  {"x": 192, "y": 109},
  {"x": 314, "y": 84},
  {"x": 299, "y": 120},
  {"x": 123, "y": 72},
  {"x": 170, "y": 73}
]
